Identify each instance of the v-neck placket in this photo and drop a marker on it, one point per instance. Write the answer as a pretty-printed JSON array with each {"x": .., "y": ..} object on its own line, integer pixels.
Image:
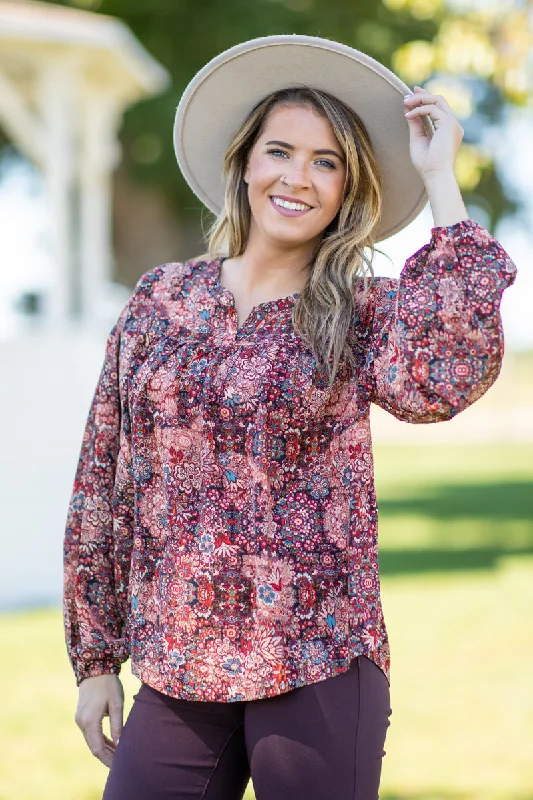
[{"x": 226, "y": 298}]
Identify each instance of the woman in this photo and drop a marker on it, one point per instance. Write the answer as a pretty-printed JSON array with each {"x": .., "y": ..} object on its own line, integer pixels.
[{"x": 222, "y": 529}]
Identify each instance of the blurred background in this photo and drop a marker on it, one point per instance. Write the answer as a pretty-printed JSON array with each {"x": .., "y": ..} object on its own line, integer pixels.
[{"x": 91, "y": 198}]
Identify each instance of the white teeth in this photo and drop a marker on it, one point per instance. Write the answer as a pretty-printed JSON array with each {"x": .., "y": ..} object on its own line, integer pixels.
[{"x": 290, "y": 206}]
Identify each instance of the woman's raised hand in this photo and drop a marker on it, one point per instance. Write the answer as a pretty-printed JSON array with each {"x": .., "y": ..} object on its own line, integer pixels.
[
  {"x": 99, "y": 697},
  {"x": 437, "y": 153}
]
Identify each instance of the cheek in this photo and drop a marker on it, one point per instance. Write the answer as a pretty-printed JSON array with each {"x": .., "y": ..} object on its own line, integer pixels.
[
  {"x": 263, "y": 174},
  {"x": 332, "y": 192}
]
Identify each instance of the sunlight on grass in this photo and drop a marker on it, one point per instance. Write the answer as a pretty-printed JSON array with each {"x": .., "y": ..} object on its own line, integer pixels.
[
  {"x": 461, "y": 683},
  {"x": 456, "y": 533}
]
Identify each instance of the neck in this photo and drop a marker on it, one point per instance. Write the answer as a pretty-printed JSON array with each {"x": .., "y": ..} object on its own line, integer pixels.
[{"x": 266, "y": 264}]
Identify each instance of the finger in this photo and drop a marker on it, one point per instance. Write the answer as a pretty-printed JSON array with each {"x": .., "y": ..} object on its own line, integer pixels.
[
  {"x": 115, "y": 719},
  {"x": 424, "y": 90},
  {"x": 415, "y": 91},
  {"x": 95, "y": 739},
  {"x": 105, "y": 756},
  {"x": 429, "y": 109},
  {"x": 421, "y": 126},
  {"x": 110, "y": 744},
  {"x": 419, "y": 99},
  {"x": 109, "y": 753},
  {"x": 426, "y": 98}
]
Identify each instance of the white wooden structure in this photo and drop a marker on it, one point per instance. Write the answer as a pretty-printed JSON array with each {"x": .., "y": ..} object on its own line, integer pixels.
[{"x": 66, "y": 77}]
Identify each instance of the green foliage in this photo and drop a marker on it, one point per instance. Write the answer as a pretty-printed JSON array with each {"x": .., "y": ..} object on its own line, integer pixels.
[{"x": 184, "y": 34}]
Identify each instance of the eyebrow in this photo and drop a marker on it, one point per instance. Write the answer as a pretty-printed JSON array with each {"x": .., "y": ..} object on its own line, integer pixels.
[{"x": 288, "y": 146}]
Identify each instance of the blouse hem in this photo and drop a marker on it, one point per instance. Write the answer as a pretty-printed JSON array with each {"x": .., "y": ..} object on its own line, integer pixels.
[{"x": 145, "y": 675}]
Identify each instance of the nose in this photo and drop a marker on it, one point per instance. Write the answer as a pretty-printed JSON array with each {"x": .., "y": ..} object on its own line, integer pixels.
[
  {"x": 294, "y": 185},
  {"x": 295, "y": 177}
]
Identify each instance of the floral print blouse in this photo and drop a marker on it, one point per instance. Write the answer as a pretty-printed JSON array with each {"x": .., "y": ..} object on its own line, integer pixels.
[{"x": 222, "y": 530}]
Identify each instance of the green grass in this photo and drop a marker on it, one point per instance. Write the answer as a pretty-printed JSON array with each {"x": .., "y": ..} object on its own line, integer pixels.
[{"x": 456, "y": 553}]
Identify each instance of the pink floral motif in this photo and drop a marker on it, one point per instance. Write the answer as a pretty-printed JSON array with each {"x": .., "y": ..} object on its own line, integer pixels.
[{"x": 222, "y": 529}]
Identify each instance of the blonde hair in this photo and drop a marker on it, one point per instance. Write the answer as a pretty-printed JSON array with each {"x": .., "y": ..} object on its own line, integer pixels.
[{"x": 323, "y": 311}]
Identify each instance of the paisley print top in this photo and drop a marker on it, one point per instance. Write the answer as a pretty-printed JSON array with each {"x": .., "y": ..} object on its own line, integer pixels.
[{"x": 222, "y": 526}]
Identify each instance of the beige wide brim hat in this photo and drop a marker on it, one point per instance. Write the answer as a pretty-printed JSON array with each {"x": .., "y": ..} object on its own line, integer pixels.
[{"x": 220, "y": 97}]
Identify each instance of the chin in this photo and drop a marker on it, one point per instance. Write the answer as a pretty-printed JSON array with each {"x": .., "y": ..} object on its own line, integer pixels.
[
  {"x": 291, "y": 242},
  {"x": 293, "y": 238}
]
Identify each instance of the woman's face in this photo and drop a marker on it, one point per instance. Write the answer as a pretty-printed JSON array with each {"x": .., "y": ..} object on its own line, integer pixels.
[{"x": 295, "y": 160}]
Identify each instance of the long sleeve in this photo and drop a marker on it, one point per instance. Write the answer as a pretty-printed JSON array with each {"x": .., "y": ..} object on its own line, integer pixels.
[
  {"x": 97, "y": 543},
  {"x": 436, "y": 341}
]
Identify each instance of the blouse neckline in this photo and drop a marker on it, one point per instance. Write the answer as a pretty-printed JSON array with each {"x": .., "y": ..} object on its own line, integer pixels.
[{"x": 226, "y": 296}]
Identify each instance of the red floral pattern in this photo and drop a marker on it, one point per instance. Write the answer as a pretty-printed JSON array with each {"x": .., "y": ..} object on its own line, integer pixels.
[{"x": 222, "y": 529}]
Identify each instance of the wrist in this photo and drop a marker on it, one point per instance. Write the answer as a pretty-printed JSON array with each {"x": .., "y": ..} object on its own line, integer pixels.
[
  {"x": 445, "y": 198},
  {"x": 436, "y": 178}
]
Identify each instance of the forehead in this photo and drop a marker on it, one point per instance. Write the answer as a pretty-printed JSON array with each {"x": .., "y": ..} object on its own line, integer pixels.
[{"x": 300, "y": 121}]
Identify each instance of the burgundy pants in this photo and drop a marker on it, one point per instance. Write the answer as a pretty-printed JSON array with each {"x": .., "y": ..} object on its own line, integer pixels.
[{"x": 321, "y": 741}]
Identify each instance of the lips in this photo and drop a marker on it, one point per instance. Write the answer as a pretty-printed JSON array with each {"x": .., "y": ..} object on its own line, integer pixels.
[{"x": 289, "y": 208}]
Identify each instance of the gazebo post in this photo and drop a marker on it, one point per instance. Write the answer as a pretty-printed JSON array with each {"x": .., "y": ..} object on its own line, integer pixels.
[
  {"x": 98, "y": 156},
  {"x": 56, "y": 97},
  {"x": 19, "y": 121},
  {"x": 66, "y": 76}
]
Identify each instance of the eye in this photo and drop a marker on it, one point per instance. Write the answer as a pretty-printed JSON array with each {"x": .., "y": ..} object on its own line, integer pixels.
[
  {"x": 276, "y": 152},
  {"x": 323, "y": 162}
]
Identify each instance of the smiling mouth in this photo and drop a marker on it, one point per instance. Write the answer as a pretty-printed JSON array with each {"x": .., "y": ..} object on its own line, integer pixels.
[{"x": 290, "y": 205}]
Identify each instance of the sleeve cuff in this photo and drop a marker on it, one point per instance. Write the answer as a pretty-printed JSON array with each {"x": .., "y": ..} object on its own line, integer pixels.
[
  {"x": 457, "y": 229},
  {"x": 95, "y": 668}
]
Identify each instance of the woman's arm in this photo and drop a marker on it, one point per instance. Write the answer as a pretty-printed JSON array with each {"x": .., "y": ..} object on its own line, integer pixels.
[
  {"x": 97, "y": 543},
  {"x": 99, "y": 533},
  {"x": 436, "y": 340},
  {"x": 445, "y": 199}
]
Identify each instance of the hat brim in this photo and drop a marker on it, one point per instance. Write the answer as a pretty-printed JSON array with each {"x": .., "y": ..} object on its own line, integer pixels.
[{"x": 222, "y": 94}]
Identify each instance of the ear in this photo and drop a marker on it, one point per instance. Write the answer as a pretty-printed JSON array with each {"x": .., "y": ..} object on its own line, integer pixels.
[{"x": 246, "y": 176}]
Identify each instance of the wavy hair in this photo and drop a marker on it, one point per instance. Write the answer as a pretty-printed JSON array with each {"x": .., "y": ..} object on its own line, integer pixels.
[{"x": 324, "y": 309}]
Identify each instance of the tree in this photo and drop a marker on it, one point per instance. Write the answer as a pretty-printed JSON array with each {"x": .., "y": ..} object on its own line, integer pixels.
[{"x": 477, "y": 58}]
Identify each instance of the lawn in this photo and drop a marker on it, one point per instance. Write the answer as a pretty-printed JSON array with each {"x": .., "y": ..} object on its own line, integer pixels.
[{"x": 456, "y": 554}]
